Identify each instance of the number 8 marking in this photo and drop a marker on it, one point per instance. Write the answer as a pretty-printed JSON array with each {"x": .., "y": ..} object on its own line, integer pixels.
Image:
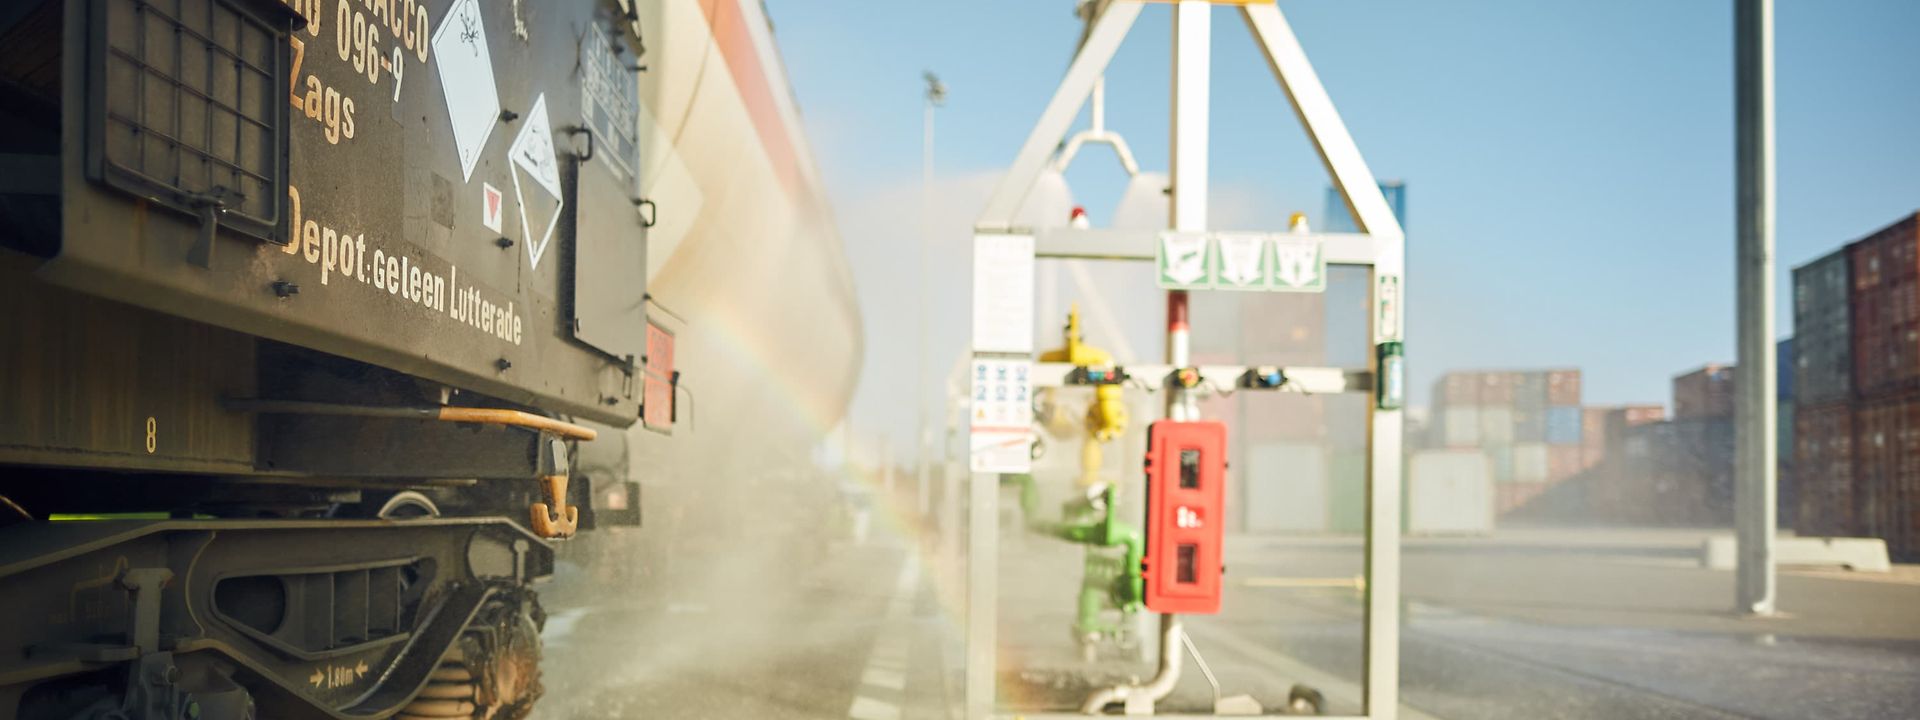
[{"x": 152, "y": 429}]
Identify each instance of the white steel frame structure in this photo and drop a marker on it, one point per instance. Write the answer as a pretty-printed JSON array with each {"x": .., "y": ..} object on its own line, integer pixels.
[{"x": 1379, "y": 246}]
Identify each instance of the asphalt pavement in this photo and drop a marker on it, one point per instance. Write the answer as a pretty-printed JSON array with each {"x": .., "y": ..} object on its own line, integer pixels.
[{"x": 1588, "y": 624}]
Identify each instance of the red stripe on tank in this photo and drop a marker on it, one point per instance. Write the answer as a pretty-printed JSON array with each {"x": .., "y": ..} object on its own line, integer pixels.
[{"x": 729, "y": 29}]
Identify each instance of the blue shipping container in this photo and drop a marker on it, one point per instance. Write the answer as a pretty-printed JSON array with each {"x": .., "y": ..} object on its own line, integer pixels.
[
  {"x": 1783, "y": 370},
  {"x": 1563, "y": 425}
]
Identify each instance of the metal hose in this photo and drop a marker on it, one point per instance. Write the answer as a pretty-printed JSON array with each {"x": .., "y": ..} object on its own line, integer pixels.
[{"x": 1162, "y": 682}]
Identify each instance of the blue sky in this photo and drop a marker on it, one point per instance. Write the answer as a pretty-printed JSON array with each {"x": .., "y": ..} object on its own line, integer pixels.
[{"x": 1569, "y": 165}]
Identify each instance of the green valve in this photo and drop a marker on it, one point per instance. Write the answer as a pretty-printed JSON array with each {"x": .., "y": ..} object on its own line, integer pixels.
[{"x": 1390, "y": 379}]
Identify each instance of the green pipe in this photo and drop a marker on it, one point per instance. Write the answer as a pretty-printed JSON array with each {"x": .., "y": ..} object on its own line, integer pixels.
[
  {"x": 1132, "y": 591},
  {"x": 1096, "y": 589},
  {"x": 1131, "y": 588},
  {"x": 1128, "y": 589}
]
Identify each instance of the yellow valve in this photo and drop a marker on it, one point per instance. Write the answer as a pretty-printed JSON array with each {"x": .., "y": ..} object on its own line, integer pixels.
[
  {"x": 1077, "y": 351},
  {"x": 1106, "y": 417}
]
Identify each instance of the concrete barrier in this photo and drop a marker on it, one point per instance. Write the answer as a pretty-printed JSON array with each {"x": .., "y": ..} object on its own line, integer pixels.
[{"x": 1858, "y": 554}]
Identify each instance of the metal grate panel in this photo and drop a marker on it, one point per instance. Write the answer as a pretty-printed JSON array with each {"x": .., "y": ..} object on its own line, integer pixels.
[{"x": 189, "y": 107}]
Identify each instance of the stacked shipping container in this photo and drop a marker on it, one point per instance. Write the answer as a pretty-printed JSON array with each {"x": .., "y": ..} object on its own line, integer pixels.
[
  {"x": 1651, "y": 470},
  {"x": 1594, "y": 434},
  {"x": 1789, "y": 483},
  {"x": 1822, "y": 447},
  {"x": 1622, "y": 478},
  {"x": 1886, "y": 309},
  {"x": 1704, "y": 393},
  {"x": 1823, "y": 461},
  {"x": 1885, "y": 323},
  {"x": 1701, "y": 453},
  {"x": 1857, "y": 390},
  {"x": 1823, "y": 332},
  {"x": 1528, "y": 424},
  {"x": 1887, "y": 470}
]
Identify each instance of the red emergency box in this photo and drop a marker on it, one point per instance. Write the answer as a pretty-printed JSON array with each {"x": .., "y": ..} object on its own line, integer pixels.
[{"x": 1186, "y": 498}]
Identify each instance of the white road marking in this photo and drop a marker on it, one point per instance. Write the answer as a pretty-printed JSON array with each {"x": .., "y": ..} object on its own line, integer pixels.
[
  {"x": 885, "y": 673},
  {"x": 866, "y": 708}
]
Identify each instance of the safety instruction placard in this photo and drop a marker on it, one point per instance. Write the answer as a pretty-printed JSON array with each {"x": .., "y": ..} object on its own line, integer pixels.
[
  {"x": 1003, "y": 294},
  {"x": 1002, "y": 416}
]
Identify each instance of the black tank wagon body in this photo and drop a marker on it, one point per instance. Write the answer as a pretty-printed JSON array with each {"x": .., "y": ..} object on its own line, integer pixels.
[{"x": 308, "y": 311}]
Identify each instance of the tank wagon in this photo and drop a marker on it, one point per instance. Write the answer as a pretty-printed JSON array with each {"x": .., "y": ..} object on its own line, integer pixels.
[{"x": 326, "y": 320}]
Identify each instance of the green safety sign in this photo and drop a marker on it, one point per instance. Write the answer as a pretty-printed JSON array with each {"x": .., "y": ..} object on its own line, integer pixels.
[
  {"x": 1184, "y": 261},
  {"x": 1240, "y": 261},
  {"x": 1299, "y": 265}
]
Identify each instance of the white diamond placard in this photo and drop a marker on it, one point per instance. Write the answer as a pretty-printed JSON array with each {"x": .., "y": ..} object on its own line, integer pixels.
[{"x": 466, "y": 77}]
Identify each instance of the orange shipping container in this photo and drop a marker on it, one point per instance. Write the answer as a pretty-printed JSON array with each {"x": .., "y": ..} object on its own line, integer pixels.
[{"x": 1563, "y": 387}]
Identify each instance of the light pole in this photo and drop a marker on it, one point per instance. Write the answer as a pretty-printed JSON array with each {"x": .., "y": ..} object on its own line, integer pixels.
[
  {"x": 935, "y": 96},
  {"x": 1755, "y": 406}
]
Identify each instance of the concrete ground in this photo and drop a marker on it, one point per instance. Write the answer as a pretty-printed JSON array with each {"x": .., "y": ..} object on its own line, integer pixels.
[{"x": 1526, "y": 624}]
